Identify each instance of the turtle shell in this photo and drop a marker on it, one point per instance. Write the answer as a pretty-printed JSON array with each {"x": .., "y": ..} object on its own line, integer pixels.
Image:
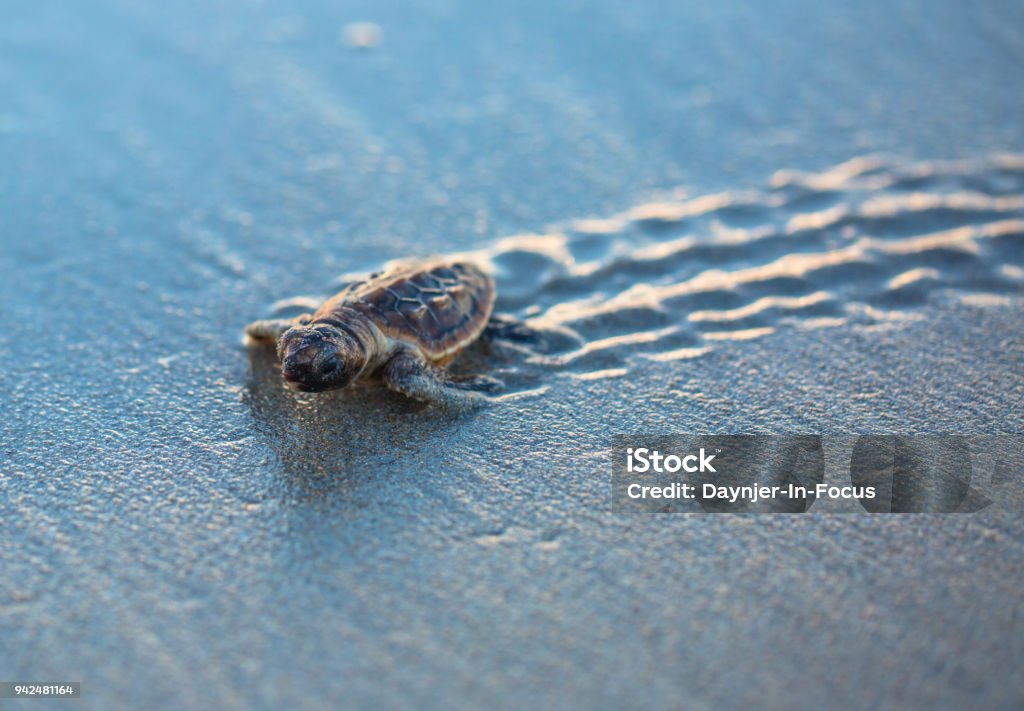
[{"x": 439, "y": 306}]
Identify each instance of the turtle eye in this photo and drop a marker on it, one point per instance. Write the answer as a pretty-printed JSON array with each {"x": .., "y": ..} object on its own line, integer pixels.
[{"x": 330, "y": 366}]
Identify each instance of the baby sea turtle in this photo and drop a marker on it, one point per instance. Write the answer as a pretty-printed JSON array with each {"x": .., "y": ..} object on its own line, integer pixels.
[{"x": 400, "y": 326}]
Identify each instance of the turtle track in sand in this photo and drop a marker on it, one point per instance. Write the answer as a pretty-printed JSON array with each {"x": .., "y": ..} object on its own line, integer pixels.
[{"x": 866, "y": 242}]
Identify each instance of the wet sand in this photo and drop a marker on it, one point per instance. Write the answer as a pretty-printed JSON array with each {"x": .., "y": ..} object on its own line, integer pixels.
[{"x": 723, "y": 219}]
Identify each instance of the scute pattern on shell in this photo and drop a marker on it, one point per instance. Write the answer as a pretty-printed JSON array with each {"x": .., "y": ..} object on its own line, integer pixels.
[{"x": 439, "y": 306}]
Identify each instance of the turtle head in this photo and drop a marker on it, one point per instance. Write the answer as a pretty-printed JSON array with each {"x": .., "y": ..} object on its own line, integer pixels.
[{"x": 319, "y": 357}]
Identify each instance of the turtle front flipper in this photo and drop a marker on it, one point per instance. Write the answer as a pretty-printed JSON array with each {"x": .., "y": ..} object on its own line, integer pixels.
[
  {"x": 268, "y": 331},
  {"x": 414, "y": 377}
]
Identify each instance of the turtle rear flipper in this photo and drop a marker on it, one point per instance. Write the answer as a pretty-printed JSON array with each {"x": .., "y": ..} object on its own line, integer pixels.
[
  {"x": 414, "y": 377},
  {"x": 506, "y": 328}
]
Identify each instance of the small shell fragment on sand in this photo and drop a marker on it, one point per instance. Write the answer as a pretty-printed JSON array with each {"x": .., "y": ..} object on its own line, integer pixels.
[{"x": 361, "y": 35}]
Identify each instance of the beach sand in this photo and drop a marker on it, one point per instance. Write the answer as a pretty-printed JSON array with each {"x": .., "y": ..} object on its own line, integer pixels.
[{"x": 723, "y": 218}]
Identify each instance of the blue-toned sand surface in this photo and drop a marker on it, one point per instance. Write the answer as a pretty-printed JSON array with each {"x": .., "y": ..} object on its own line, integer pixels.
[{"x": 728, "y": 217}]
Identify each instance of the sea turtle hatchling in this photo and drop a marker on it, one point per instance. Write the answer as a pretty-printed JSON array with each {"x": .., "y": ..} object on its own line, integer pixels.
[{"x": 400, "y": 326}]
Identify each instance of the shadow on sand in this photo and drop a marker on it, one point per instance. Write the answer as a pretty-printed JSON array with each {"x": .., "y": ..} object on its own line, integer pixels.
[{"x": 333, "y": 442}]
